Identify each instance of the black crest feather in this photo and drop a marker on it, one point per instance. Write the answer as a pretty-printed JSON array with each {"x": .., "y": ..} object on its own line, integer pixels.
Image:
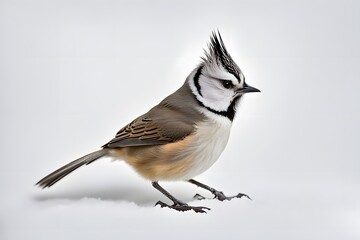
[{"x": 217, "y": 54}]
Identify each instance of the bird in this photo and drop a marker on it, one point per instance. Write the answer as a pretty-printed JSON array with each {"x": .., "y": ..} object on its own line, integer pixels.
[{"x": 183, "y": 135}]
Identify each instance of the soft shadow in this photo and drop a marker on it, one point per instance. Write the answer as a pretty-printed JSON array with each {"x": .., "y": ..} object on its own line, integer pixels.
[{"x": 132, "y": 194}]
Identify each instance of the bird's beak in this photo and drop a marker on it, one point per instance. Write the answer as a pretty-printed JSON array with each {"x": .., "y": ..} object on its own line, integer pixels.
[{"x": 247, "y": 89}]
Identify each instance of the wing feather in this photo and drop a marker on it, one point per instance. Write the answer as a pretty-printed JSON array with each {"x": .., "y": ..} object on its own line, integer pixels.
[{"x": 160, "y": 125}]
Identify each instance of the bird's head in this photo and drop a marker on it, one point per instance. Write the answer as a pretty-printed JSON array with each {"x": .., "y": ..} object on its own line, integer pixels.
[{"x": 218, "y": 83}]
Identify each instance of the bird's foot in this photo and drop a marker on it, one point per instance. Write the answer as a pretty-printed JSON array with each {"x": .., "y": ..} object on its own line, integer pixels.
[
  {"x": 182, "y": 207},
  {"x": 221, "y": 196}
]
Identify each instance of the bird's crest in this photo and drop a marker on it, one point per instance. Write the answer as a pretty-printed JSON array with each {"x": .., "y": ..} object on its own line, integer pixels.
[{"x": 217, "y": 55}]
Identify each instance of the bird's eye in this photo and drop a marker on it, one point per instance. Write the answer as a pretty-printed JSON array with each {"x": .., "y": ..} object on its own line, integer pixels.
[{"x": 227, "y": 84}]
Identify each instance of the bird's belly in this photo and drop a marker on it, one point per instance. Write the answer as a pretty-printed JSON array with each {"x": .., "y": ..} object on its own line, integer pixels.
[
  {"x": 210, "y": 141},
  {"x": 180, "y": 160}
]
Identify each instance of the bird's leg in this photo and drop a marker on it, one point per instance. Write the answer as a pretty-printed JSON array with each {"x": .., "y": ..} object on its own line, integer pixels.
[
  {"x": 218, "y": 194},
  {"x": 178, "y": 205}
]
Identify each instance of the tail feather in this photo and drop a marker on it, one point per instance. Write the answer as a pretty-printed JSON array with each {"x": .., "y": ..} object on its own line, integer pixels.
[{"x": 55, "y": 176}]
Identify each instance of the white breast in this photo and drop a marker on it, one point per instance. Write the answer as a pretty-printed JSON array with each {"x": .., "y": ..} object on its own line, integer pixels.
[{"x": 210, "y": 141}]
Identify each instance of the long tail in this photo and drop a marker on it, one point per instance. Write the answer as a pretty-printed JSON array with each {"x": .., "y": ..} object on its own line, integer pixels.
[{"x": 55, "y": 176}]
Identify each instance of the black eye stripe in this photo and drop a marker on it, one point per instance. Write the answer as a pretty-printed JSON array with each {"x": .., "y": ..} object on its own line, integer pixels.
[{"x": 226, "y": 83}]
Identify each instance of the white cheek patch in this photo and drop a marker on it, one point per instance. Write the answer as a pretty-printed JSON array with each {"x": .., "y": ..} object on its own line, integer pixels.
[
  {"x": 214, "y": 95},
  {"x": 210, "y": 92}
]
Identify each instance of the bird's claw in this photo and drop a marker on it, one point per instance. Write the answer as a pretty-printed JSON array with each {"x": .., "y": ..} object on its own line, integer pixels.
[
  {"x": 179, "y": 206},
  {"x": 199, "y": 197},
  {"x": 221, "y": 196}
]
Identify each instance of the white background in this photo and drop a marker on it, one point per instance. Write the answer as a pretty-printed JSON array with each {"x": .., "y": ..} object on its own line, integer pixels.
[{"x": 74, "y": 72}]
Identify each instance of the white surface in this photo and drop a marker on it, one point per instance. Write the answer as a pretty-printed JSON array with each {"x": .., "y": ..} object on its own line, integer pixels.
[{"x": 74, "y": 72}]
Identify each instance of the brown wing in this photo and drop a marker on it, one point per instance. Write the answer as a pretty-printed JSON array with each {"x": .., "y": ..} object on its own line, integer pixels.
[{"x": 160, "y": 125}]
